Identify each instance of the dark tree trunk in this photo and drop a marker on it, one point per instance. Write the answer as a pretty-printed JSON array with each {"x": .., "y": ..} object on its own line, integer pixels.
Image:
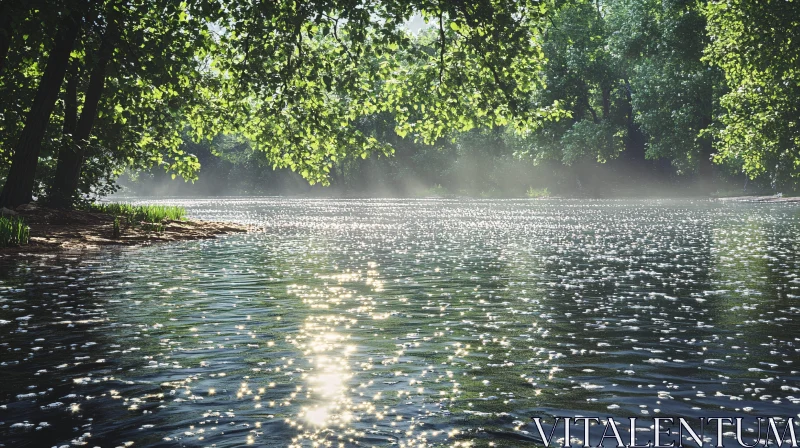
[
  {"x": 6, "y": 30},
  {"x": 71, "y": 101},
  {"x": 70, "y": 116},
  {"x": 589, "y": 107},
  {"x": 705, "y": 166},
  {"x": 635, "y": 142},
  {"x": 70, "y": 157},
  {"x": 584, "y": 104},
  {"x": 18, "y": 188}
]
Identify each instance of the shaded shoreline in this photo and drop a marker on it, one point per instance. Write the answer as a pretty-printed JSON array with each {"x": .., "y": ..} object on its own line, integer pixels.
[
  {"x": 767, "y": 199},
  {"x": 53, "y": 230}
]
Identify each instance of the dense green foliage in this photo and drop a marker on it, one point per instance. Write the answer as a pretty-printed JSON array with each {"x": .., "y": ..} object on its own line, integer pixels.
[
  {"x": 492, "y": 97},
  {"x": 13, "y": 231},
  {"x": 755, "y": 43}
]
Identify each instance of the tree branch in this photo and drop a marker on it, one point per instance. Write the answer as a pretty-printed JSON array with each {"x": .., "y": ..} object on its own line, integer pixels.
[
  {"x": 443, "y": 43},
  {"x": 336, "y": 36}
]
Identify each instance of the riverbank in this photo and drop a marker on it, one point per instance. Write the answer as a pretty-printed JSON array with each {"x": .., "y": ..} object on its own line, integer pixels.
[
  {"x": 760, "y": 199},
  {"x": 57, "y": 230}
]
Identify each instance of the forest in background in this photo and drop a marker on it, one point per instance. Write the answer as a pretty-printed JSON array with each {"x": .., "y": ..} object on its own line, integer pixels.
[{"x": 492, "y": 98}]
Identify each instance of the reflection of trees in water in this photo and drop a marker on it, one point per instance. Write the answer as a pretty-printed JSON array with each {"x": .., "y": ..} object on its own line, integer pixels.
[
  {"x": 755, "y": 263},
  {"x": 615, "y": 293},
  {"x": 739, "y": 270}
]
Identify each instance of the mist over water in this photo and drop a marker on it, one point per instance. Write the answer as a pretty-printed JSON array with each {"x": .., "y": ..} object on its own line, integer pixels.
[{"x": 405, "y": 322}]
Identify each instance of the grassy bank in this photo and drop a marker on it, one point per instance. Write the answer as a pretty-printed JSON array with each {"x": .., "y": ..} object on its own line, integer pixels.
[
  {"x": 47, "y": 229},
  {"x": 14, "y": 231},
  {"x": 148, "y": 217}
]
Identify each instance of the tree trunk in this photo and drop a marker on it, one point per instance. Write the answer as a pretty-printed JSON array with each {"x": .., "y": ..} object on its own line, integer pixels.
[
  {"x": 70, "y": 116},
  {"x": 705, "y": 166},
  {"x": 71, "y": 101},
  {"x": 18, "y": 188},
  {"x": 6, "y": 30},
  {"x": 635, "y": 140},
  {"x": 70, "y": 157}
]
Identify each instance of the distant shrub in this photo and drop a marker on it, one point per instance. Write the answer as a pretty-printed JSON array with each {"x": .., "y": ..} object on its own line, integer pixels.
[
  {"x": 437, "y": 190},
  {"x": 538, "y": 192}
]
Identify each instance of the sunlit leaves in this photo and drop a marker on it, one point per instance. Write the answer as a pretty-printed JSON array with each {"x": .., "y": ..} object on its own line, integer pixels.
[
  {"x": 755, "y": 43},
  {"x": 299, "y": 78},
  {"x": 302, "y": 80}
]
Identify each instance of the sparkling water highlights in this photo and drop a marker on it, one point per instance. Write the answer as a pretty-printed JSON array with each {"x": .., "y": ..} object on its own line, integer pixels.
[{"x": 404, "y": 323}]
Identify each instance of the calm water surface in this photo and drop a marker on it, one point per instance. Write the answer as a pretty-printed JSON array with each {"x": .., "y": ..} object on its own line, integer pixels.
[{"x": 404, "y": 322}]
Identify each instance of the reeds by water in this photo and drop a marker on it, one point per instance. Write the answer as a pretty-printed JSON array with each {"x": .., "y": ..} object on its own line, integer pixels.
[
  {"x": 147, "y": 217},
  {"x": 13, "y": 231},
  {"x": 140, "y": 213}
]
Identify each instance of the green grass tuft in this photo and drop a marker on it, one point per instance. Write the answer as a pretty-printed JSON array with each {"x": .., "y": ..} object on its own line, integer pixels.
[
  {"x": 13, "y": 232},
  {"x": 116, "y": 233},
  {"x": 153, "y": 214},
  {"x": 148, "y": 217}
]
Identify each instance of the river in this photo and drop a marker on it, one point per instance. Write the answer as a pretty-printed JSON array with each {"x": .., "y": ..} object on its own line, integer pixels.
[{"x": 405, "y": 322}]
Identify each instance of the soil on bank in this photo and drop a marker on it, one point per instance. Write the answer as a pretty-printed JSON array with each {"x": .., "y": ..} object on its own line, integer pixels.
[{"x": 55, "y": 230}]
